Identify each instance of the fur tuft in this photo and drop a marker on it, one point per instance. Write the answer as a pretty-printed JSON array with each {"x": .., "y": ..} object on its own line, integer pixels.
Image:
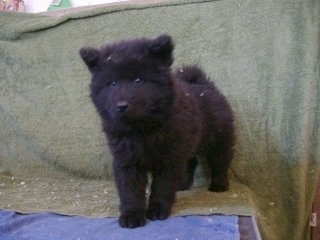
[{"x": 191, "y": 74}]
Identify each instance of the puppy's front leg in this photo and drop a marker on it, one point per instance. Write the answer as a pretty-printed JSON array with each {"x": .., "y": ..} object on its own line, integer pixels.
[
  {"x": 164, "y": 186},
  {"x": 131, "y": 185}
]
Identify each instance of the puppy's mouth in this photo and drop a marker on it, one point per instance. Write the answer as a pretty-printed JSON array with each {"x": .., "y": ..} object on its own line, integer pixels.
[
  {"x": 128, "y": 115},
  {"x": 126, "y": 110}
]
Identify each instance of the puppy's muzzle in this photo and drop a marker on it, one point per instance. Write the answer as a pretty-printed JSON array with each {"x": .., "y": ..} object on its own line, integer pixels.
[{"x": 122, "y": 106}]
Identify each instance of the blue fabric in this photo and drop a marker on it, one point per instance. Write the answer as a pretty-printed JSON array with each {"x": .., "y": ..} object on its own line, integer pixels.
[{"x": 53, "y": 226}]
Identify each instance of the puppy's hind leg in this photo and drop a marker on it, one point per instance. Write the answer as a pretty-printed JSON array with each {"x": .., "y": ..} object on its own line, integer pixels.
[{"x": 219, "y": 162}]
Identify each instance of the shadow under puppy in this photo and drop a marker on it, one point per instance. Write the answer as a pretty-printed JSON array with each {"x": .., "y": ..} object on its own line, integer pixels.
[{"x": 157, "y": 121}]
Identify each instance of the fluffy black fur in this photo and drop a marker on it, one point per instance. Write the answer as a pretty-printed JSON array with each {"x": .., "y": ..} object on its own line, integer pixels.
[{"x": 157, "y": 121}]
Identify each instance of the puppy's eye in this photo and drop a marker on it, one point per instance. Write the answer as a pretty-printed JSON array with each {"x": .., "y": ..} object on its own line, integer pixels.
[
  {"x": 138, "y": 80},
  {"x": 113, "y": 83}
]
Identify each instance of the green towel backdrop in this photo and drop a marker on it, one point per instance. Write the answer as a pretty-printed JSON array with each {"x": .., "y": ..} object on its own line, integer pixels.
[{"x": 262, "y": 54}]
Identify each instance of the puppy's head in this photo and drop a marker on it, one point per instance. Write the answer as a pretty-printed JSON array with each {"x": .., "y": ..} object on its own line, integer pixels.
[{"x": 131, "y": 79}]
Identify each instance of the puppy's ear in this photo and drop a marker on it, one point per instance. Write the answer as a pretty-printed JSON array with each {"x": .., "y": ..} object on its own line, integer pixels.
[
  {"x": 162, "y": 48},
  {"x": 90, "y": 56}
]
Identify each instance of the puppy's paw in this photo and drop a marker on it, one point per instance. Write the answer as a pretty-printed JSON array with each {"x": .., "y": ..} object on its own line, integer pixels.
[
  {"x": 132, "y": 219},
  {"x": 158, "y": 212},
  {"x": 219, "y": 186}
]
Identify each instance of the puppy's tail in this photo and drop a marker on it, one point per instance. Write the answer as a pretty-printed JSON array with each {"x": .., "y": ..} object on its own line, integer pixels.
[{"x": 192, "y": 74}]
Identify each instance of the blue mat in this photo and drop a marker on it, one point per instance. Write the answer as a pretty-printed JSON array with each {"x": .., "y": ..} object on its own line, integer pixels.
[{"x": 53, "y": 226}]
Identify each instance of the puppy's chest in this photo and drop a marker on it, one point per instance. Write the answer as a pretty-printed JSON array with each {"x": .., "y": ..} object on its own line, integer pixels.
[
  {"x": 149, "y": 151},
  {"x": 155, "y": 146}
]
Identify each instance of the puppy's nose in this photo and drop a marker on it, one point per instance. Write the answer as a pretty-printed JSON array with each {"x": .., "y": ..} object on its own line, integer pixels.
[{"x": 122, "y": 106}]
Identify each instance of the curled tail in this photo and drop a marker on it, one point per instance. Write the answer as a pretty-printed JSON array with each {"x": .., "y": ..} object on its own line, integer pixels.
[{"x": 192, "y": 74}]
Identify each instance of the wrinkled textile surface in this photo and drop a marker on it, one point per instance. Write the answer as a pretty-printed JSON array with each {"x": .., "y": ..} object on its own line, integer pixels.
[
  {"x": 52, "y": 226},
  {"x": 262, "y": 54}
]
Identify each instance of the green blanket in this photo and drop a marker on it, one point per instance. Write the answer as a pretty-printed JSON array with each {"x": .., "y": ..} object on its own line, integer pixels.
[{"x": 263, "y": 55}]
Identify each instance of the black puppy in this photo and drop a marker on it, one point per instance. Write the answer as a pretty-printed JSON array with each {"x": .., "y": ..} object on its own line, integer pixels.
[{"x": 157, "y": 121}]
